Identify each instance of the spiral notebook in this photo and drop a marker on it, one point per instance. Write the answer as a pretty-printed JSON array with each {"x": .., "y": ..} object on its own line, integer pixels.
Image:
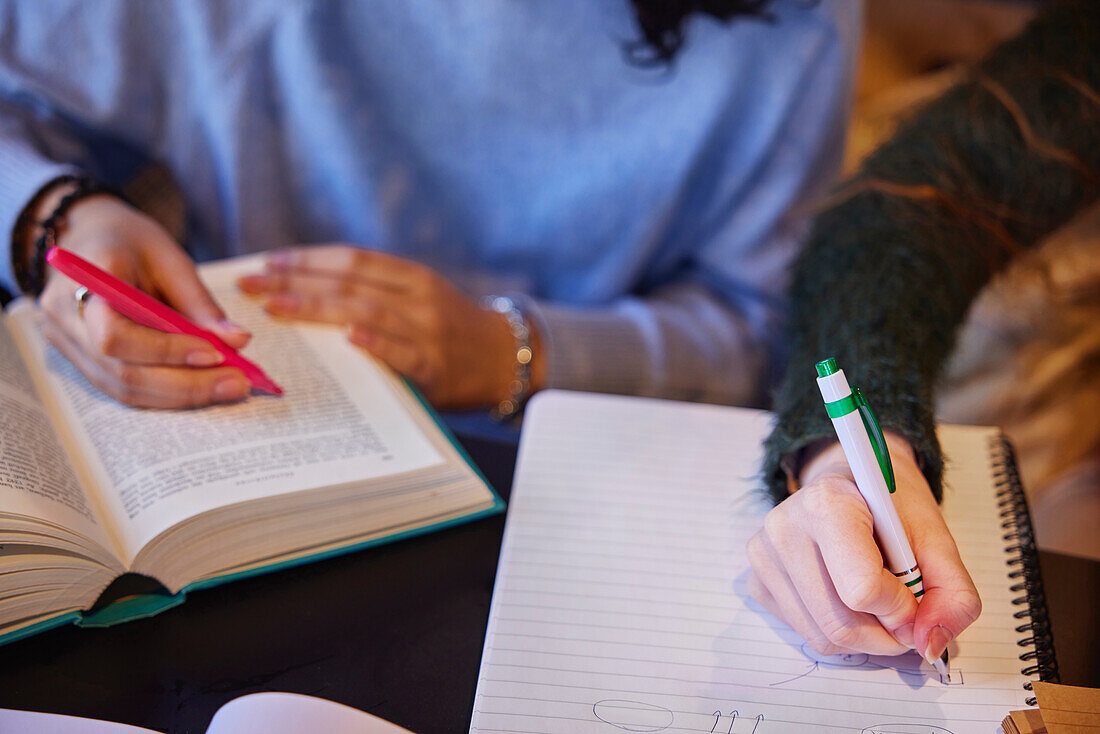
[{"x": 620, "y": 600}]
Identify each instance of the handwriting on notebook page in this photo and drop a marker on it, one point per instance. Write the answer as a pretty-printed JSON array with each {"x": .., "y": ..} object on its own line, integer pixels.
[
  {"x": 911, "y": 665},
  {"x": 639, "y": 716}
]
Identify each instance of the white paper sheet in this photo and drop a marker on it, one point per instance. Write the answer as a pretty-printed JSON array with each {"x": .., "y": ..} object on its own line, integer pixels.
[
  {"x": 290, "y": 713},
  {"x": 23, "y": 722},
  {"x": 270, "y": 713}
]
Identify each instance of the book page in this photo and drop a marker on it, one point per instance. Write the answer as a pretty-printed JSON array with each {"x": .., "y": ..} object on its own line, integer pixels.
[
  {"x": 620, "y": 601},
  {"x": 36, "y": 478},
  {"x": 291, "y": 713},
  {"x": 338, "y": 421}
]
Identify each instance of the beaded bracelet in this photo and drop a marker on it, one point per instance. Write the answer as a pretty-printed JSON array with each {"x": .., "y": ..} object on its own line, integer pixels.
[
  {"x": 30, "y": 273},
  {"x": 520, "y": 386}
]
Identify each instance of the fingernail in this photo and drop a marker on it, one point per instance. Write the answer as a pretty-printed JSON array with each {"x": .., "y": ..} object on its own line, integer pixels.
[
  {"x": 278, "y": 259},
  {"x": 230, "y": 326},
  {"x": 904, "y": 634},
  {"x": 937, "y": 643},
  {"x": 230, "y": 388},
  {"x": 282, "y": 304},
  {"x": 204, "y": 358},
  {"x": 252, "y": 283},
  {"x": 361, "y": 336}
]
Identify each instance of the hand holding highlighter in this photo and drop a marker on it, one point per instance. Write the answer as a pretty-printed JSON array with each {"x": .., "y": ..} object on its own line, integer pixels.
[{"x": 148, "y": 311}]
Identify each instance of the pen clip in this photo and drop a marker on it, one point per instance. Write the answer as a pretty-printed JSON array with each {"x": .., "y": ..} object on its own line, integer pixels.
[{"x": 878, "y": 441}]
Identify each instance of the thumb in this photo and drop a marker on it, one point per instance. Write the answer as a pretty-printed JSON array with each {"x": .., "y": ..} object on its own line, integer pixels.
[
  {"x": 950, "y": 603},
  {"x": 178, "y": 281}
]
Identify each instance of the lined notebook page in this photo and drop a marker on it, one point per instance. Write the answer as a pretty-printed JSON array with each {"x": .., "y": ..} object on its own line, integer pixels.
[{"x": 620, "y": 601}]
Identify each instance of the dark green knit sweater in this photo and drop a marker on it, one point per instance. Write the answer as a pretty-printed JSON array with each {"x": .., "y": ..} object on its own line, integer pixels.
[{"x": 888, "y": 273}]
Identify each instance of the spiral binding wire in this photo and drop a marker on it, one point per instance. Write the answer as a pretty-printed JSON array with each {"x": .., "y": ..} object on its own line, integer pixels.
[{"x": 1024, "y": 562}]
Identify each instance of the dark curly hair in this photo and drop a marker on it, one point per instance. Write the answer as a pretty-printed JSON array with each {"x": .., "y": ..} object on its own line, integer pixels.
[{"x": 662, "y": 23}]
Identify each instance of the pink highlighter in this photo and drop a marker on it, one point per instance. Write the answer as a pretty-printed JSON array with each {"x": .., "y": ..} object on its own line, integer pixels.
[{"x": 139, "y": 306}]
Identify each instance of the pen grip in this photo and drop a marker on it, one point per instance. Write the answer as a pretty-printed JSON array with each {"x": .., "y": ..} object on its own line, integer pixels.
[
  {"x": 142, "y": 308},
  {"x": 871, "y": 469},
  {"x": 131, "y": 302},
  {"x": 897, "y": 552}
]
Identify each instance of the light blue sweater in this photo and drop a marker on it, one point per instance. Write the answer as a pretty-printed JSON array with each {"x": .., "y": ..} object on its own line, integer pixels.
[{"x": 646, "y": 215}]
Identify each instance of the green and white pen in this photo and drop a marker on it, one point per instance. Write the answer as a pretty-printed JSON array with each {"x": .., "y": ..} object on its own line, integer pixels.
[{"x": 865, "y": 449}]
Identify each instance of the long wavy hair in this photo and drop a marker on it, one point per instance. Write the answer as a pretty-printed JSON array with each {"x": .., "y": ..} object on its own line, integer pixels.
[{"x": 662, "y": 23}]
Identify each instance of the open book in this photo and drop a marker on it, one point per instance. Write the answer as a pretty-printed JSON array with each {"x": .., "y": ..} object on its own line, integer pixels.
[
  {"x": 91, "y": 489},
  {"x": 620, "y": 601},
  {"x": 271, "y": 713}
]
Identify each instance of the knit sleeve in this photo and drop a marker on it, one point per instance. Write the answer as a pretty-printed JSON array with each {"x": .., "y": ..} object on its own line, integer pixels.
[{"x": 889, "y": 271}]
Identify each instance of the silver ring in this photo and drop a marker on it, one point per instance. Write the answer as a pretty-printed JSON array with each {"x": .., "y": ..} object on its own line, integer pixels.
[{"x": 81, "y": 294}]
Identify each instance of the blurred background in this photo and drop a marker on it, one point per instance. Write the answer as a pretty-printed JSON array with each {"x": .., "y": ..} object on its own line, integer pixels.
[{"x": 1028, "y": 359}]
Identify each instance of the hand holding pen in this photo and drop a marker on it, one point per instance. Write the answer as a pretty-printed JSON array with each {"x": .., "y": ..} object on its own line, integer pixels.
[
  {"x": 132, "y": 363},
  {"x": 816, "y": 564}
]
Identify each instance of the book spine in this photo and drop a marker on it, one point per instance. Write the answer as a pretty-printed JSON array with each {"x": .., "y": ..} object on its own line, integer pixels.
[{"x": 1023, "y": 559}]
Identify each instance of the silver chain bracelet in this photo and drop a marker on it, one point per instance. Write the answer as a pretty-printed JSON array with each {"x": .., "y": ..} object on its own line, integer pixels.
[{"x": 519, "y": 387}]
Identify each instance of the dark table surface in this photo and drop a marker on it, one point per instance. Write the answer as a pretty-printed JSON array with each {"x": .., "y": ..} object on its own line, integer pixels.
[{"x": 395, "y": 630}]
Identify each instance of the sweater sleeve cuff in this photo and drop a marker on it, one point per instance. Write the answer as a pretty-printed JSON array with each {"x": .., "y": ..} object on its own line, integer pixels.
[
  {"x": 597, "y": 351},
  {"x": 23, "y": 173},
  {"x": 808, "y": 422},
  {"x": 782, "y": 471}
]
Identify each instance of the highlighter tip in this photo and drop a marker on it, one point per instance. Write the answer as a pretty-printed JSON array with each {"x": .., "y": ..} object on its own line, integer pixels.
[{"x": 267, "y": 386}]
